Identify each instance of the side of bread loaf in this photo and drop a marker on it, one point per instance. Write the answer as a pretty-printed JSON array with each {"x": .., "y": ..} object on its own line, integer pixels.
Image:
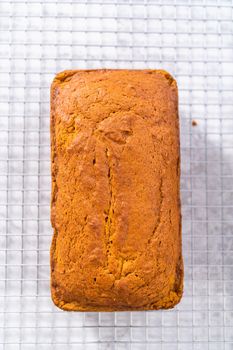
[{"x": 115, "y": 205}]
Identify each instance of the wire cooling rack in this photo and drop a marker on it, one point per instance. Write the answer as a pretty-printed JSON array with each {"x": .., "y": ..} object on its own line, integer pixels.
[{"x": 191, "y": 39}]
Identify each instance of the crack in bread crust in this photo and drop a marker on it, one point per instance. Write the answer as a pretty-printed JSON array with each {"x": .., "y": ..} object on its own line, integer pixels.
[{"x": 109, "y": 212}]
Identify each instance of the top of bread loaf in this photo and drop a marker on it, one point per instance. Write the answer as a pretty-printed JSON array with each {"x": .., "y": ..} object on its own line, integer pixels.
[{"x": 115, "y": 196}]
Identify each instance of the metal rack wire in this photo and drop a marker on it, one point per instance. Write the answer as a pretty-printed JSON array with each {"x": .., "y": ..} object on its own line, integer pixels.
[{"x": 191, "y": 39}]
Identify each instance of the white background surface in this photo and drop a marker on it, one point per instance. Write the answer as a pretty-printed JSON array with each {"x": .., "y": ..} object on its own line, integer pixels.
[{"x": 191, "y": 39}]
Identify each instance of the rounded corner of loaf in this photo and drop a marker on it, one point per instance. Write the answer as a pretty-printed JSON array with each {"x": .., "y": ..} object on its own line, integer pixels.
[
  {"x": 57, "y": 302},
  {"x": 170, "y": 79},
  {"x": 63, "y": 76}
]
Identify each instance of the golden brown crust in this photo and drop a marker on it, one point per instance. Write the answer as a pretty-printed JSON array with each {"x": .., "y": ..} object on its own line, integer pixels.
[{"x": 115, "y": 205}]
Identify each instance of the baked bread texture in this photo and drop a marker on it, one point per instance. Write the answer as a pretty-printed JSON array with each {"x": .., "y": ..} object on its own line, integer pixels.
[{"x": 115, "y": 205}]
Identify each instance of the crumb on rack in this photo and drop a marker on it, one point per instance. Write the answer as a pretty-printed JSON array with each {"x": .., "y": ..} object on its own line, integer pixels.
[{"x": 194, "y": 122}]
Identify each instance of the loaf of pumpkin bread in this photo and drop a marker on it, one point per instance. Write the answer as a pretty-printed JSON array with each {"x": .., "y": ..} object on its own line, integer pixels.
[{"x": 115, "y": 205}]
